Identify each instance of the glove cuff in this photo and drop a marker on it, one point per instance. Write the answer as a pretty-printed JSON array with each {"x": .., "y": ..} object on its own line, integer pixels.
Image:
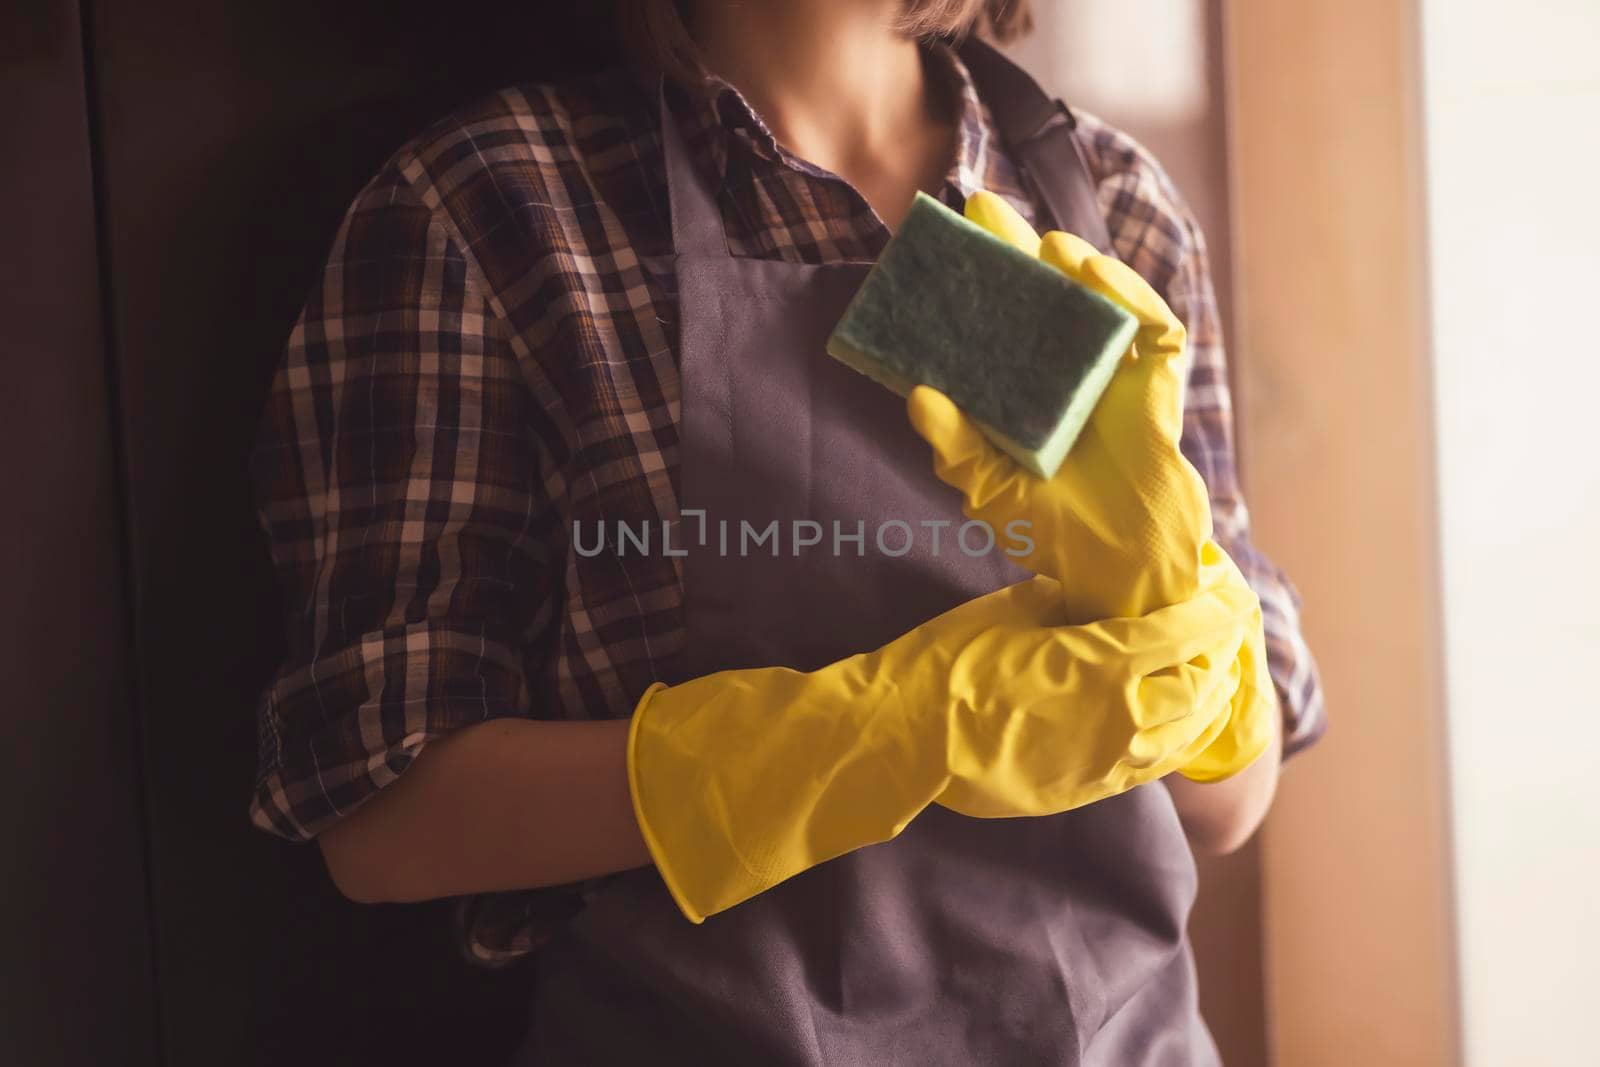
[{"x": 652, "y": 842}]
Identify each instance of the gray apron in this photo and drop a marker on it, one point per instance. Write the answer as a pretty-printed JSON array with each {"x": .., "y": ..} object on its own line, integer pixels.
[{"x": 1056, "y": 940}]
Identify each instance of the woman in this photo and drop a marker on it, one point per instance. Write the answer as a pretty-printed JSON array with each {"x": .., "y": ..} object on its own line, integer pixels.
[{"x": 570, "y": 308}]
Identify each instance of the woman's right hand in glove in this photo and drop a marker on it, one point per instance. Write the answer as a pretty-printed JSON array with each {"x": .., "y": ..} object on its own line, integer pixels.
[
  {"x": 1125, "y": 523},
  {"x": 744, "y": 778}
]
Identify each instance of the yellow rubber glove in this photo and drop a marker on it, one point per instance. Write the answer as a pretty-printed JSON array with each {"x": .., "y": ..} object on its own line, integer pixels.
[
  {"x": 744, "y": 778},
  {"x": 1125, "y": 523}
]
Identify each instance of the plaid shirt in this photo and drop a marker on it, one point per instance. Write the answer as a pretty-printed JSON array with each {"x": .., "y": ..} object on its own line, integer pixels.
[{"x": 490, "y": 355}]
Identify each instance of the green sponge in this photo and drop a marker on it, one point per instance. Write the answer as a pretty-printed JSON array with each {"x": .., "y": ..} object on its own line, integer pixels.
[{"x": 1019, "y": 347}]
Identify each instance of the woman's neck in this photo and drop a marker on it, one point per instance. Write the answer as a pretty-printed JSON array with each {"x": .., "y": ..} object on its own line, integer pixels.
[{"x": 837, "y": 85}]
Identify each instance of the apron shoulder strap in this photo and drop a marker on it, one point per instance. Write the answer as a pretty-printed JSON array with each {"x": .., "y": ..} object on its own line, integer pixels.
[
  {"x": 1038, "y": 131},
  {"x": 696, "y": 220}
]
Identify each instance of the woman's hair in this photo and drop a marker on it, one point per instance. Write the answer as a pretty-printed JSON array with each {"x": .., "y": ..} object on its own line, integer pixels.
[{"x": 655, "y": 36}]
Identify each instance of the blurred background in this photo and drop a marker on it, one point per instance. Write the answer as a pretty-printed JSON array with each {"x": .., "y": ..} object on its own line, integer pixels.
[{"x": 1397, "y": 200}]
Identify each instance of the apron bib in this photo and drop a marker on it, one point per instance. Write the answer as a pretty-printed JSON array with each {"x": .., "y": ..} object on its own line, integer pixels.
[{"x": 1055, "y": 940}]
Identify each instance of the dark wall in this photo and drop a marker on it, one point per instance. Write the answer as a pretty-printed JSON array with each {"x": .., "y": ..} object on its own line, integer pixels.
[
  {"x": 73, "y": 925},
  {"x": 214, "y": 147}
]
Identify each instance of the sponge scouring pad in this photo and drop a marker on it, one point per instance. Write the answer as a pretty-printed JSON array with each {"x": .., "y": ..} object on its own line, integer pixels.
[{"x": 1018, "y": 346}]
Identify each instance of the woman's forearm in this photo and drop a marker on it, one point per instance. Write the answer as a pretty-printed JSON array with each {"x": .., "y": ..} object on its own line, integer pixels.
[
  {"x": 1219, "y": 817},
  {"x": 521, "y": 803},
  {"x": 500, "y": 805}
]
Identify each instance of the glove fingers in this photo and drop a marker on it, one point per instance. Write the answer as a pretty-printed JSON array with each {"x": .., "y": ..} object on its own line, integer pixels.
[
  {"x": 1066, "y": 252},
  {"x": 1113, "y": 279},
  {"x": 997, "y": 216},
  {"x": 962, "y": 457},
  {"x": 1252, "y": 718},
  {"x": 954, "y": 438},
  {"x": 1144, "y": 399},
  {"x": 1176, "y": 743},
  {"x": 1160, "y": 332}
]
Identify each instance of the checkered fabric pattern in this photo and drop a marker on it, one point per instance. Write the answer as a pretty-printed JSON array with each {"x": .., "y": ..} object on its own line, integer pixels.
[{"x": 490, "y": 355}]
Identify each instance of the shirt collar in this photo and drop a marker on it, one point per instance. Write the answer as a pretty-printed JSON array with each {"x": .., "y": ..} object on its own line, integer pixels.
[
  {"x": 975, "y": 128},
  {"x": 722, "y": 105}
]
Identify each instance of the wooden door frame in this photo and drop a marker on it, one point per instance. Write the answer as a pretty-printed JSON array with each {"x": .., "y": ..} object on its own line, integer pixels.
[{"x": 1335, "y": 375}]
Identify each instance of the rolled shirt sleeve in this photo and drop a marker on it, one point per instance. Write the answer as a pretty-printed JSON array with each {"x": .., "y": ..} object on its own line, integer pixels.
[
  {"x": 397, "y": 486},
  {"x": 1156, "y": 233}
]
